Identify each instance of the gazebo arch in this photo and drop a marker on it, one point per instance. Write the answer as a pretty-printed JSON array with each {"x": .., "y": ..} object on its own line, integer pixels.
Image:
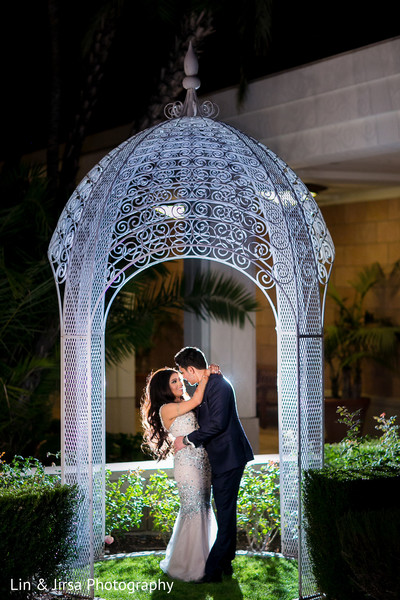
[{"x": 190, "y": 187}]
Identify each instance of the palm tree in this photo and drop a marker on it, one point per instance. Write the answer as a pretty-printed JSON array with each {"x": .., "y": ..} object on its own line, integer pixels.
[
  {"x": 28, "y": 321},
  {"x": 358, "y": 335}
]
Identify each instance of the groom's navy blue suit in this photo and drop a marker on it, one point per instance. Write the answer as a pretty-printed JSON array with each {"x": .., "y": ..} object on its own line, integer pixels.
[{"x": 222, "y": 435}]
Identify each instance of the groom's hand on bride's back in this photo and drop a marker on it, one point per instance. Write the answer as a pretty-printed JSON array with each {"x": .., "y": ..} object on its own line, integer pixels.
[{"x": 178, "y": 443}]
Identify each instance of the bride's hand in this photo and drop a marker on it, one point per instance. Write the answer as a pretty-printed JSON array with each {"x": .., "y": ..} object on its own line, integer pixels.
[
  {"x": 206, "y": 374},
  {"x": 214, "y": 369}
]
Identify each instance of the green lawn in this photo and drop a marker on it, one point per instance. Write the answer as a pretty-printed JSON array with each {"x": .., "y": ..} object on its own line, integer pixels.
[{"x": 255, "y": 578}]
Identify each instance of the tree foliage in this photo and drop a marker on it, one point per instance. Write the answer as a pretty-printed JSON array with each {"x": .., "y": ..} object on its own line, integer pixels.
[{"x": 357, "y": 334}]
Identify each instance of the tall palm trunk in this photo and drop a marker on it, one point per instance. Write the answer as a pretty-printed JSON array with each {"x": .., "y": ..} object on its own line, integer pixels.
[
  {"x": 53, "y": 137},
  {"x": 98, "y": 55},
  {"x": 346, "y": 382},
  {"x": 357, "y": 383}
]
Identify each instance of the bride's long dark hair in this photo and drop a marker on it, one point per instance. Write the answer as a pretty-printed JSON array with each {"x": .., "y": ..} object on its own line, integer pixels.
[{"x": 156, "y": 393}]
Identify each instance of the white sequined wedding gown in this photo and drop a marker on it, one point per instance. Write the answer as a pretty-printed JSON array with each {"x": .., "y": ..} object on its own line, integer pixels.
[{"x": 195, "y": 527}]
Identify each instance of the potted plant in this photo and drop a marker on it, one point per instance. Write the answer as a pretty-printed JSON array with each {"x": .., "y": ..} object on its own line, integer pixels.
[{"x": 355, "y": 336}]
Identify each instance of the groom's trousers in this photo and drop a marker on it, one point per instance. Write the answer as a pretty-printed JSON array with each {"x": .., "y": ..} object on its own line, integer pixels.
[{"x": 225, "y": 488}]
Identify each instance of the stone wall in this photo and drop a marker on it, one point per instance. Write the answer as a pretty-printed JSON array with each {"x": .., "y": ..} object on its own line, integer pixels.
[{"x": 363, "y": 233}]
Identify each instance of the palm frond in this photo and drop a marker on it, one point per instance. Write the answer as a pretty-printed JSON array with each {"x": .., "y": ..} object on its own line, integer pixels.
[
  {"x": 221, "y": 298},
  {"x": 147, "y": 277},
  {"x": 22, "y": 309},
  {"x": 13, "y": 378},
  {"x": 367, "y": 278},
  {"x": 394, "y": 278},
  {"x": 128, "y": 331},
  {"x": 378, "y": 340},
  {"x": 337, "y": 298},
  {"x": 331, "y": 341}
]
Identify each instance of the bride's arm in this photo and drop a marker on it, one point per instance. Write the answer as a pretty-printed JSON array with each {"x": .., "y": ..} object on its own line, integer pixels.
[{"x": 170, "y": 411}]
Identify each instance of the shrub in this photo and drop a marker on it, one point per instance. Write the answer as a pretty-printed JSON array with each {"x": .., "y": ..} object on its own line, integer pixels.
[
  {"x": 258, "y": 513},
  {"x": 360, "y": 452},
  {"x": 329, "y": 495},
  {"x": 25, "y": 473},
  {"x": 390, "y": 440},
  {"x": 162, "y": 498},
  {"x": 124, "y": 502},
  {"x": 258, "y": 504},
  {"x": 368, "y": 454},
  {"x": 36, "y": 516},
  {"x": 370, "y": 546}
]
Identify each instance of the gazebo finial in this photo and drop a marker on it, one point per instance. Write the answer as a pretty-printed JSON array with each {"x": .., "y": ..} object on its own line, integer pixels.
[
  {"x": 191, "y": 67},
  {"x": 191, "y": 107}
]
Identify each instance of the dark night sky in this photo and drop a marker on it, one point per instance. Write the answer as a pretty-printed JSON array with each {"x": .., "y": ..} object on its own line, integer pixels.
[{"x": 301, "y": 32}]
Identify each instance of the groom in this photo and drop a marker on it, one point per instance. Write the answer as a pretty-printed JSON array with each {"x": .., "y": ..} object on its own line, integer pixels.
[{"x": 222, "y": 435}]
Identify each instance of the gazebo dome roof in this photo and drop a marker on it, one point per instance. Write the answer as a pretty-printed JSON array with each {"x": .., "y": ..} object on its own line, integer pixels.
[
  {"x": 193, "y": 186},
  {"x": 205, "y": 178}
]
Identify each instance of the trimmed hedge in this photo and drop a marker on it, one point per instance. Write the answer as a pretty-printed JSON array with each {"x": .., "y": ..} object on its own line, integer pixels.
[
  {"x": 370, "y": 546},
  {"x": 35, "y": 531},
  {"x": 336, "y": 502}
]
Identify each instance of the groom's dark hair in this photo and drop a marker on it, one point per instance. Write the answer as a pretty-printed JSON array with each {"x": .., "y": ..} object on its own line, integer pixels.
[{"x": 191, "y": 357}]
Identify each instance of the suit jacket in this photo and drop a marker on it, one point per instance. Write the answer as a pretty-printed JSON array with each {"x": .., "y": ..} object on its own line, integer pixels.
[{"x": 220, "y": 431}]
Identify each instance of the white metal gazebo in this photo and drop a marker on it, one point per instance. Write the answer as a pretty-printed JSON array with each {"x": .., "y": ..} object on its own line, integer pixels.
[{"x": 191, "y": 187}]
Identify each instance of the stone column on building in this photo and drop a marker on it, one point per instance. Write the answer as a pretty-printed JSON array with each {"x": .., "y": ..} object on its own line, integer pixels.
[
  {"x": 121, "y": 397},
  {"x": 233, "y": 348}
]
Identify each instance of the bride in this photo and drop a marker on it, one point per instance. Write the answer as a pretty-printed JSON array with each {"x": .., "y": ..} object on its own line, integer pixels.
[{"x": 168, "y": 412}]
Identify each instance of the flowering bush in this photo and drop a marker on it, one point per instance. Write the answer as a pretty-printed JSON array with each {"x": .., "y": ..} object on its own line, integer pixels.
[
  {"x": 25, "y": 473},
  {"x": 258, "y": 505},
  {"x": 258, "y": 508},
  {"x": 389, "y": 440},
  {"x": 124, "y": 503},
  {"x": 361, "y": 451},
  {"x": 162, "y": 498}
]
